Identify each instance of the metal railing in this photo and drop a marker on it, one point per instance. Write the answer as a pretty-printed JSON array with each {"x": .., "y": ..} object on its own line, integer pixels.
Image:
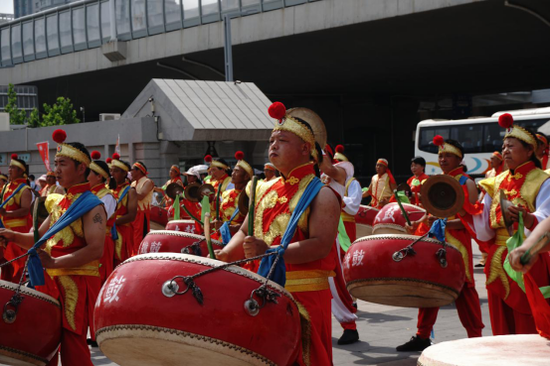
[{"x": 89, "y": 23}]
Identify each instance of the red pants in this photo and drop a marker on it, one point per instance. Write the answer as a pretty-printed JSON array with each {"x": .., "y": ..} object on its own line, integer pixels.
[
  {"x": 107, "y": 260},
  {"x": 469, "y": 312},
  {"x": 505, "y": 320},
  {"x": 351, "y": 230},
  {"x": 141, "y": 228},
  {"x": 124, "y": 245}
]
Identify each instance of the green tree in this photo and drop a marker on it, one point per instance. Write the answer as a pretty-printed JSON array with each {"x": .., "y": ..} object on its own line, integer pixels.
[
  {"x": 34, "y": 118},
  {"x": 17, "y": 116},
  {"x": 60, "y": 113}
]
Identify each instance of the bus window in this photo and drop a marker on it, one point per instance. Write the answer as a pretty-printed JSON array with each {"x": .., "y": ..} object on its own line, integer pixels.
[
  {"x": 532, "y": 124},
  {"x": 493, "y": 135},
  {"x": 470, "y": 136},
  {"x": 427, "y": 135}
]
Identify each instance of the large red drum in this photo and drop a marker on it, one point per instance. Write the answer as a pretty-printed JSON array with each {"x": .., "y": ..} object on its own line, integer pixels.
[
  {"x": 374, "y": 272},
  {"x": 159, "y": 215},
  {"x": 32, "y": 334},
  {"x": 139, "y": 320},
  {"x": 364, "y": 220},
  {"x": 168, "y": 241},
  {"x": 187, "y": 226},
  {"x": 390, "y": 219}
]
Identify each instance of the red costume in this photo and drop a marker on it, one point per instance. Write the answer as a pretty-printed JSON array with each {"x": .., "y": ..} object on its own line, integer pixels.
[
  {"x": 230, "y": 200},
  {"x": 124, "y": 245},
  {"x": 143, "y": 215},
  {"x": 508, "y": 305},
  {"x": 467, "y": 303},
  {"x": 107, "y": 259},
  {"x": 416, "y": 185},
  {"x": 76, "y": 288},
  {"x": 13, "y": 272},
  {"x": 168, "y": 200},
  {"x": 308, "y": 282},
  {"x": 220, "y": 185}
]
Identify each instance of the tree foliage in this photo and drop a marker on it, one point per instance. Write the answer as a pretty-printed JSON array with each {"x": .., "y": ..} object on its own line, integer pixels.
[
  {"x": 60, "y": 113},
  {"x": 17, "y": 116}
]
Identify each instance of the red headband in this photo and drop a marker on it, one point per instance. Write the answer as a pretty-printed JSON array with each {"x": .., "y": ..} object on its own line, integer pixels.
[{"x": 141, "y": 167}]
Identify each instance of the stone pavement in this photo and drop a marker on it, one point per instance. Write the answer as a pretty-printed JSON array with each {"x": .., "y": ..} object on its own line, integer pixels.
[{"x": 382, "y": 328}]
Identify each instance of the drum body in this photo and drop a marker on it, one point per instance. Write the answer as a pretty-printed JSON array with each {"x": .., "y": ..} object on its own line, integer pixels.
[
  {"x": 139, "y": 321},
  {"x": 168, "y": 241},
  {"x": 186, "y": 226},
  {"x": 364, "y": 220},
  {"x": 390, "y": 219},
  {"x": 518, "y": 349},
  {"x": 35, "y": 334},
  {"x": 418, "y": 280},
  {"x": 159, "y": 215}
]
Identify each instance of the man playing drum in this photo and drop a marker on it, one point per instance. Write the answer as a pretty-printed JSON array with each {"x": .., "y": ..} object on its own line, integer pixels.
[
  {"x": 310, "y": 257},
  {"x": 467, "y": 304},
  {"x": 71, "y": 257},
  {"x": 382, "y": 185},
  {"x": 175, "y": 177},
  {"x": 144, "y": 190}
]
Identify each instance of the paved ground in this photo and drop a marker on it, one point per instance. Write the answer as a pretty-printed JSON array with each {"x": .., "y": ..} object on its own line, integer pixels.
[{"x": 382, "y": 328}]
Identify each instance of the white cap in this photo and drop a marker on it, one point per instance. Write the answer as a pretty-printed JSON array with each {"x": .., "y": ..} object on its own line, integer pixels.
[
  {"x": 42, "y": 177},
  {"x": 193, "y": 171}
]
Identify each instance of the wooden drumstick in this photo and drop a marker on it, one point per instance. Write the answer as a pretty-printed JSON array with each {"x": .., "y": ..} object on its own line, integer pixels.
[
  {"x": 207, "y": 235},
  {"x": 535, "y": 248},
  {"x": 401, "y": 207}
]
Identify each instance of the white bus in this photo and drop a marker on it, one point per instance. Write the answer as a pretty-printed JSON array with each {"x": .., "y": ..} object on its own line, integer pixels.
[{"x": 480, "y": 137}]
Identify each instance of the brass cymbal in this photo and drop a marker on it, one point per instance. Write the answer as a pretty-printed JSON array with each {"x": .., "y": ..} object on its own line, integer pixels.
[
  {"x": 442, "y": 196},
  {"x": 173, "y": 190},
  {"x": 504, "y": 206}
]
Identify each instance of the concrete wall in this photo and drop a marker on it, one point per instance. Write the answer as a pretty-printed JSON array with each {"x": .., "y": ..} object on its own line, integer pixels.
[{"x": 284, "y": 22}]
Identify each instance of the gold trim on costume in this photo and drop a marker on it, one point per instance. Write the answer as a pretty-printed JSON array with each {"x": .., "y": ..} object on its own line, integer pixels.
[
  {"x": 218, "y": 164},
  {"x": 448, "y": 148},
  {"x": 463, "y": 251},
  {"x": 73, "y": 153},
  {"x": 90, "y": 269},
  {"x": 305, "y": 281},
  {"x": 496, "y": 271},
  {"x": 14, "y": 162},
  {"x": 118, "y": 164},
  {"x": 521, "y": 134},
  {"x": 296, "y": 127},
  {"x": 97, "y": 169},
  {"x": 71, "y": 299}
]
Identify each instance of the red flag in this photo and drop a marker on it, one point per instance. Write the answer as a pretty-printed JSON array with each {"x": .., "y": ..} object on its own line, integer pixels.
[{"x": 44, "y": 150}]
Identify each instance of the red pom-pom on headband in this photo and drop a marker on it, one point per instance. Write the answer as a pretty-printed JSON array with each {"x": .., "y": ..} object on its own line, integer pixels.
[
  {"x": 108, "y": 160},
  {"x": 438, "y": 140},
  {"x": 59, "y": 136},
  {"x": 14, "y": 156},
  {"x": 239, "y": 155},
  {"x": 116, "y": 156},
  {"x": 506, "y": 120},
  {"x": 339, "y": 149},
  {"x": 277, "y": 110},
  {"x": 96, "y": 155},
  {"x": 208, "y": 158}
]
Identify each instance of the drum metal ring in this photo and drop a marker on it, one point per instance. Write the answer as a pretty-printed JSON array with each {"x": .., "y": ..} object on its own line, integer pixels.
[
  {"x": 9, "y": 316},
  {"x": 252, "y": 307},
  {"x": 171, "y": 288}
]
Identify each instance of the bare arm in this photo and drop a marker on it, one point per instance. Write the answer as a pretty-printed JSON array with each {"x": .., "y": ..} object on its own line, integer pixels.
[
  {"x": 472, "y": 191},
  {"x": 94, "y": 223},
  {"x": 23, "y": 240},
  {"x": 336, "y": 173},
  {"x": 233, "y": 251},
  {"x": 516, "y": 254},
  {"x": 147, "y": 187},
  {"x": 132, "y": 209}
]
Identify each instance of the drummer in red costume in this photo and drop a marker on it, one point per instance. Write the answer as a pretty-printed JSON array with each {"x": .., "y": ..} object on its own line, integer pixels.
[
  {"x": 175, "y": 177},
  {"x": 51, "y": 186},
  {"x": 418, "y": 164},
  {"x": 71, "y": 257},
  {"x": 220, "y": 180},
  {"x": 98, "y": 178},
  {"x": 126, "y": 210},
  {"x": 382, "y": 185},
  {"x": 270, "y": 172},
  {"x": 16, "y": 215},
  {"x": 457, "y": 234},
  {"x": 310, "y": 257},
  {"x": 528, "y": 188},
  {"x": 144, "y": 190}
]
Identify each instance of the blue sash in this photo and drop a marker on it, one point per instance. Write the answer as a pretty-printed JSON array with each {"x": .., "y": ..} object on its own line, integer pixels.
[
  {"x": 20, "y": 187},
  {"x": 224, "y": 230},
  {"x": 82, "y": 205},
  {"x": 114, "y": 233},
  {"x": 279, "y": 272}
]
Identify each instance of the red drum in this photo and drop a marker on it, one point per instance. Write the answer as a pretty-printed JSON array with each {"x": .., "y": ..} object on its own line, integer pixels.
[
  {"x": 364, "y": 220},
  {"x": 159, "y": 215},
  {"x": 139, "y": 320},
  {"x": 32, "y": 334},
  {"x": 187, "y": 226},
  {"x": 520, "y": 349},
  {"x": 390, "y": 219},
  {"x": 168, "y": 241},
  {"x": 418, "y": 281}
]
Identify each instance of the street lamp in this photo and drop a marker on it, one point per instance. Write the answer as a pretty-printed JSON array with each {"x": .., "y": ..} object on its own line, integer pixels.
[{"x": 83, "y": 111}]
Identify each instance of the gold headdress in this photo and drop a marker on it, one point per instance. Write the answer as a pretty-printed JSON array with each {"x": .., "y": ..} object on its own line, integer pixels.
[
  {"x": 14, "y": 162},
  {"x": 96, "y": 155},
  {"x": 69, "y": 151},
  {"x": 507, "y": 121},
  {"x": 446, "y": 147},
  {"x": 340, "y": 153},
  {"x": 239, "y": 155},
  {"x": 217, "y": 164},
  {"x": 116, "y": 163}
]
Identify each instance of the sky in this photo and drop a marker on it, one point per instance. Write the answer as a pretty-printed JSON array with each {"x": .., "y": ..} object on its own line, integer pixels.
[{"x": 6, "y": 6}]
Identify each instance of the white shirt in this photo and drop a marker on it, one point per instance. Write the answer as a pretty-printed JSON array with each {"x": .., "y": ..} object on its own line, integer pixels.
[
  {"x": 354, "y": 197},
  {"x": 109, "y": 203}
]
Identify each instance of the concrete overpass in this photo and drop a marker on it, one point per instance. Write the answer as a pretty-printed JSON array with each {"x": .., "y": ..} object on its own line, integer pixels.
[{"x": 365, "y": 65}]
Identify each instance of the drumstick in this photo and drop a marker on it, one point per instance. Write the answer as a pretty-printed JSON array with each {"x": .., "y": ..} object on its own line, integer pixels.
[
  {"x": 401, "y": 207},
  {"x": 207, "y": 235},
  {"x": 251, "y": 207},
  {"x": 535, "y": 248}
]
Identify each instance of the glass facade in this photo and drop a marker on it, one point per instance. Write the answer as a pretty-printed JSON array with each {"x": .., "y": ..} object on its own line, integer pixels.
[
  {"x": 87, "y": 24},
  {"x": 27, "y": 97}
]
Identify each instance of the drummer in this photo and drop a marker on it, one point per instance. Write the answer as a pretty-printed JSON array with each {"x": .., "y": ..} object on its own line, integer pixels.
[
  {"x": 126, "y": 210},
  {"x": 221, "y": 181},
  {"x": 467, "y": 304},
  {"x": 311, "y": 255},
  {"x": 71, "y": 257},
  {"x": 528, "y": 188},
  {"x": 270, "y": 172},
  {"x": 144, "y": 190},
  {"x": 175, "y": 177},
  {"x": 382, "y": 185},
  {"x": 51, "y": 185},
  {"x": 16, "y": 215},
  {"x": 418, "y": 165}
]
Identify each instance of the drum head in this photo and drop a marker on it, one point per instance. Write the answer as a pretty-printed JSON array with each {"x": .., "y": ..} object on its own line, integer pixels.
[{"x": 442, "y": 196}]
